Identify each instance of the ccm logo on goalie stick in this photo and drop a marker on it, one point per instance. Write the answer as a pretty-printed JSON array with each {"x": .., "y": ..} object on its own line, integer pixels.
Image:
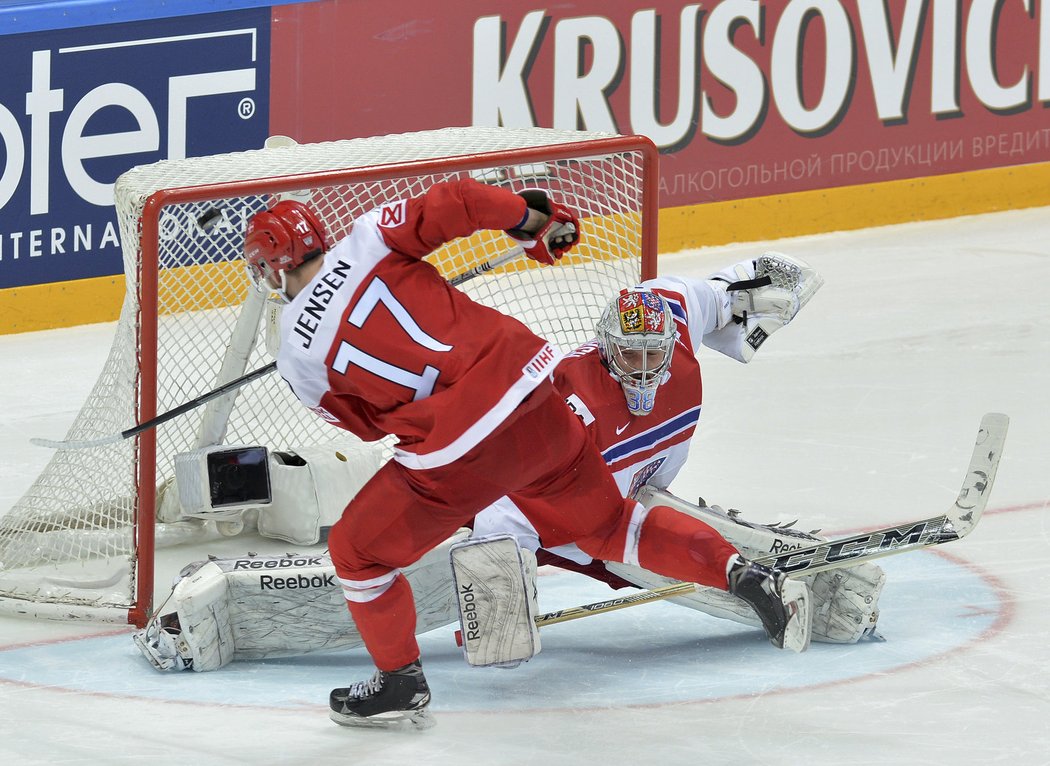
[{"x": 921, "y": 533}]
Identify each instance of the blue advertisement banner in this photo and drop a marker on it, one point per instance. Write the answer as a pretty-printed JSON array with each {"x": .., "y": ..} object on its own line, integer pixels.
[
  {"x": 20, "y": 16},
  {"x": 78, "y": 107}
]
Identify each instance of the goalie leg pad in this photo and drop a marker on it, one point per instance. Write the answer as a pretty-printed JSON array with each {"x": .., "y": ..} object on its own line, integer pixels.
[
  {"x": 798, "y": 601},
  {"x": 495, "y": 582},
  {"x": 844, "y": 602},
  {"x": 161, "y": 643},
  {"x": 198, "y": 634},
  {"x": 257, "y": 607}
]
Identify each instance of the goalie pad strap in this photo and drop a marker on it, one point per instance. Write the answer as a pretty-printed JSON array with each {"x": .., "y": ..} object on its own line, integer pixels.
[{"x": 749, "y": 284}]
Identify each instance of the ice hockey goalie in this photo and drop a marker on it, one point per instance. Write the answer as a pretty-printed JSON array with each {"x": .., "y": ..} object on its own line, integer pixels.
[{"x": 257, "y": 607}]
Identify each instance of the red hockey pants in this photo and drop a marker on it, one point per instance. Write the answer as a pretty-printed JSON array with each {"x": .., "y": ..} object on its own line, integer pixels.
[{"x": 541, "y": 456}]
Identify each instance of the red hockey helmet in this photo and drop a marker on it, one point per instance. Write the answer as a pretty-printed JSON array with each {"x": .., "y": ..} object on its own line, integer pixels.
[{"x": 280, "y": 239}]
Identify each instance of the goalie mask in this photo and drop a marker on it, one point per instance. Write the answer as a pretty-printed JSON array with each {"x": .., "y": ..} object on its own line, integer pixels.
[
  {"x": 281, "y": 239},
  {"x": 636, "y": 335}
]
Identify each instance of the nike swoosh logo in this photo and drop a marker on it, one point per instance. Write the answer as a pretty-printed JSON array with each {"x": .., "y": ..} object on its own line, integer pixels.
[{"x": 622, "y": 428}]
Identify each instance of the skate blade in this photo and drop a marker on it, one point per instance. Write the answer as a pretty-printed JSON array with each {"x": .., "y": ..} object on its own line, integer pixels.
[
  {"x": 799, "y": 629},
  {"x": 415, "y": 720}
]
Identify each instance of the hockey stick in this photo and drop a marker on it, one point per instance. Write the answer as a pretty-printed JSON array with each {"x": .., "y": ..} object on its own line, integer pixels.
[
  {"x": 236, "y": 383},
  {"x": 958, "y": 522},
  {"x": 600, "y": 607},
  {"x": 495, "y": 263},
  {"x": 611, "y": 605},
  {"x": 233, "y": 385}
]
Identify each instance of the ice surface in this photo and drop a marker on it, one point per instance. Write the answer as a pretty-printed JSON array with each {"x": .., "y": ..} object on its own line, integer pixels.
[{"x": 860, "y": 414}]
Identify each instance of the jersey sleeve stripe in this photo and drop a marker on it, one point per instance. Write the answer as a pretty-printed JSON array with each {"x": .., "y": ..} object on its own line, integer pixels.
[
  {"x": 676, "y": 308},
  {"x": 483, "y": 426}
]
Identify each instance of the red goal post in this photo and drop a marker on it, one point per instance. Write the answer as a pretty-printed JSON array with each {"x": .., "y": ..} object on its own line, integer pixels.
[{"x": 82, "y": 541}]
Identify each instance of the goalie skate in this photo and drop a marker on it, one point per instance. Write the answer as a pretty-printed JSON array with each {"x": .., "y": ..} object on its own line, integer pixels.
[
  {"x": 783, "y": 605},
  {"x": 394, "y": 699}
]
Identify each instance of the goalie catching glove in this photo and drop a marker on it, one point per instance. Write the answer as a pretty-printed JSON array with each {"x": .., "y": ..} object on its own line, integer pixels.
[
  {"x": 557, "y": 235},
  {"x": 761, "y": 296}
]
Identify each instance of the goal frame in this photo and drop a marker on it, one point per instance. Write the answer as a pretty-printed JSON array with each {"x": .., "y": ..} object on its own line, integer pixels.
[{"x": 145, "y": 449}]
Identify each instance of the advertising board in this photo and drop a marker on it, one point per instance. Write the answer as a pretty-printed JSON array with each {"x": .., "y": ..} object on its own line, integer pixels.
[{"x": 80, "y": 106}]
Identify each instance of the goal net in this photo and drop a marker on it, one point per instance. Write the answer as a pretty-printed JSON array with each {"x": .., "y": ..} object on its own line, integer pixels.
[{"x": 82, "y": 540}]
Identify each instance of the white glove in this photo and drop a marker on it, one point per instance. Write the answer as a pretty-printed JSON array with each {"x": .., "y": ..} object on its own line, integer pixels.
[{"x": 763, "y": 296}]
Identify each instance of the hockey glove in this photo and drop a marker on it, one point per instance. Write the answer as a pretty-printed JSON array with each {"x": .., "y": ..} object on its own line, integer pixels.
[
  {"x": 556, "y": 237},
  {"x": 761, "y": 296}
]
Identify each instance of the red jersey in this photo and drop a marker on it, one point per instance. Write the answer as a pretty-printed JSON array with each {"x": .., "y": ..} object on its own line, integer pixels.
[
  {"x": 639, "y": 449},
  {"x": 645, "y": 449},
  {"x": 648, "y": 449},
  {"x": 379, "y": 343}
]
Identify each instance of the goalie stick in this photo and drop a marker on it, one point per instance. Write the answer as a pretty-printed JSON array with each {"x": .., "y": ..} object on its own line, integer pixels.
[
  {"x": 958, "y": 522},
  {"x": 236, "y": 383}
]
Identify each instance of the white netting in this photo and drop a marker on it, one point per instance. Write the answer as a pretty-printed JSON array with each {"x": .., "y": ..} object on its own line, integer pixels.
[{"x": 72, "y": 539}]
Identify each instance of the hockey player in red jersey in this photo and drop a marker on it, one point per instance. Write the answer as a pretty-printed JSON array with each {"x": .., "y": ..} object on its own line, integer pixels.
[{"x": 375, "y": 341}]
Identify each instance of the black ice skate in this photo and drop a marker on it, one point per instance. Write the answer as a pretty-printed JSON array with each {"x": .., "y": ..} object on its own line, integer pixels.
[
  {"x": 782, "y": 604},
  {"x": 387, "y": 699}
]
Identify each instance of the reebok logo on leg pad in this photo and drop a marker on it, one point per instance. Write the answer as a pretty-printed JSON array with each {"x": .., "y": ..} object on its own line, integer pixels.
[{"x": 495, "y": 583}]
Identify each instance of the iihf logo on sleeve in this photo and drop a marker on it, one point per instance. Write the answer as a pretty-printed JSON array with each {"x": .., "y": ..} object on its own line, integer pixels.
[{"x": 542, "y": 363}]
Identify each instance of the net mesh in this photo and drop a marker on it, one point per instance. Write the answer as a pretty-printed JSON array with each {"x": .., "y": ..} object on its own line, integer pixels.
[{"x": 72, "y": 538}]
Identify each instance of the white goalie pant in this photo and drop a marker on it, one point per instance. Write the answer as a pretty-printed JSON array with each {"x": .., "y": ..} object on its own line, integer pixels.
[
  {"x": 258, "y": 607},
  {"x": 845, "y": 601}
]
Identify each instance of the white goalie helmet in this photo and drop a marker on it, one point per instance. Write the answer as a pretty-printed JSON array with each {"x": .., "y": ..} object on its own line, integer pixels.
[{"x": 636, "y": 336}]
